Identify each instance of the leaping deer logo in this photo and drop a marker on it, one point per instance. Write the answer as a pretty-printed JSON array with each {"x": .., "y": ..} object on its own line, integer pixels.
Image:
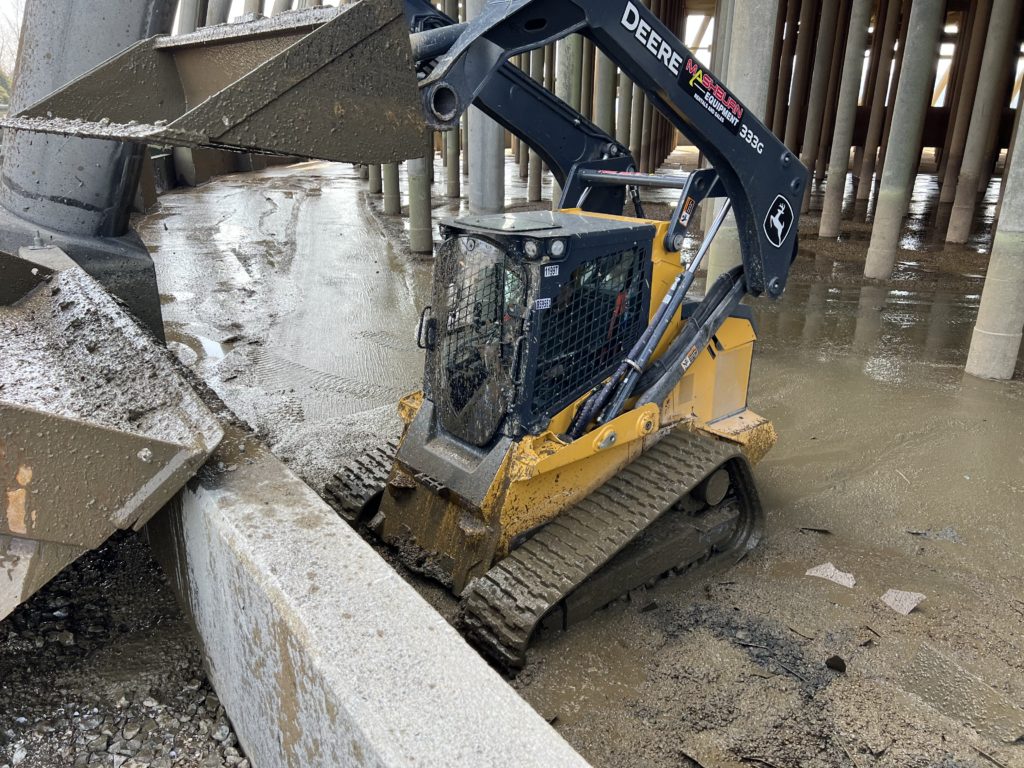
[{"x": 778, "y": 221}]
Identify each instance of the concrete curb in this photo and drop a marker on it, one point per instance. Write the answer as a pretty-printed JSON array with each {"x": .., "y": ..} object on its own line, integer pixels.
[{"x": 320, "y": 653}]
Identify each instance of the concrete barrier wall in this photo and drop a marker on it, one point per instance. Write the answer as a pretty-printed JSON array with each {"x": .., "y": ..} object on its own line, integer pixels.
[{"x": 321, "y": 654}]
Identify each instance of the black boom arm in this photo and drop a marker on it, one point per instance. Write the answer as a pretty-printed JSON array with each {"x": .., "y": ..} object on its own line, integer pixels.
[
  {"x": 554, "y": 130},
  {"x": 763, "y": 180}
]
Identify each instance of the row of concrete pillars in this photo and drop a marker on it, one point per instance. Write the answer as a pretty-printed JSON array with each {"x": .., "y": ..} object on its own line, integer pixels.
[
  {"x": 198, "y": 13},
  {"x": 851, "y": 86},
  {"x": 852, "y": 89},
  {"x": 817, "y": 65}
]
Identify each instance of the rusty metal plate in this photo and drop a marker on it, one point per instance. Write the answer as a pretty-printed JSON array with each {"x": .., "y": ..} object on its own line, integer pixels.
[{"x": 73, "y": 482}]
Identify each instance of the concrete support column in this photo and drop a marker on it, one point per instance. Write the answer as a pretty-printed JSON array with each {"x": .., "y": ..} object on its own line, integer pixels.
[
  {"x": 605, "y": 83},
  {"x": 636, "y": 119},
  {"x": 988, "y": 108},
  {"x": 650, "y": 115},
  {"x": 786, "y": 69},
  {"x": 188, "y": 16},
  {"x": 569, "y": 77},
  {"x": 835, "y": 77},
  {"x": 846, "y": 115},
  {"x": 568, "y": 82},
  {"x": 996, "y": 341},
  {"x": 550, "y": 63},
  {"x": 720, "y": 48},
  {"x": 453, "y": 139},
  {"x": 549, "y": 67},
  {"x": 675, "y": 20},
  {"x": 587, "y": 79},
  {"x": 535, "y": 170},
  {"x": 375, "y": 179},
  {"x": 955, "y": 84},
  {"x": 421, "y": 231},
  {"x": 749, "y": 66},
  {"x": 968, "y": 91},
  {"x": 636, "y": 124},
  {"x": 897, "y": 73},
  {"x": 874, "y": 52},
  {"x": 192, "y": 14},
  {"x": 719, "y": 38},
  {"x": 819, "y": 90},
  {"x": 773, "y": 77},
  {"x": 252, "y": 6},
  {"x": 720, "y": 42},
  {"x": 486, "y": 152},
  {"x": 392, "y": 192},
  {"x": 624, "y": 110},
  {"x": 464, "y": 121},
  {"x": 280, "y": 6},
  {"x": 1009, "y": 159},
  {"x": 435, "y": 145},
  {"x": 453, "y": 172},
  {"x": 522, "y": 156},
  {"x": 217, "y": 11},
  {"x": 645, "y": 137},
  {"x": 878, "y": 98},
  {"x": 992, "y": 149},
  {"x": 802, "y": 73},
  {"x": 913, "y": 95}
]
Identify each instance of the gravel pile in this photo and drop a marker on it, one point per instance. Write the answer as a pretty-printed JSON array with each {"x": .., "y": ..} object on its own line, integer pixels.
[{"x": 101, "y": 668}]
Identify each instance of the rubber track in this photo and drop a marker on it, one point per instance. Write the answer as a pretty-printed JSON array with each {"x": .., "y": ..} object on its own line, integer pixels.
[
  {"x": 355, "y": 484},
  {"x": 501, "y": 609}
]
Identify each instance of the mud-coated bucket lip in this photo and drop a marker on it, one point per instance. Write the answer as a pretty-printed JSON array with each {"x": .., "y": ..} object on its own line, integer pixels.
[
  {"x": 98, "y": 425},
  {"x": 335, "y": 84}
]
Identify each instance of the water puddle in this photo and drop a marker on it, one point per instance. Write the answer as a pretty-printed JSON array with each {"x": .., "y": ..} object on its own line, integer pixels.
[{"x": 192, "y": 348}]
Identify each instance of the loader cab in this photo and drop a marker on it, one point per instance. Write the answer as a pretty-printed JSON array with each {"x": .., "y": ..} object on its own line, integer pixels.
[{"x": 529, "y": 312}]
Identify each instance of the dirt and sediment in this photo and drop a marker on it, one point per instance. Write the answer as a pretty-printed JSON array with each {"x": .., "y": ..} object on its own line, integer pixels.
[{"x": 287, "y": 293}]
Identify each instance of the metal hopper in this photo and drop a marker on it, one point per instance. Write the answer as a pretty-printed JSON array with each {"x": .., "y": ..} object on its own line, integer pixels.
[
  {"x": 327, "y": 83},
  {"x": 98, "y": 427}
]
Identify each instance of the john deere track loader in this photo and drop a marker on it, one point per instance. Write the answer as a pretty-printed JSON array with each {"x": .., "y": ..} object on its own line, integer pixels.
[
  {"x": 583, "y": 425},
  {"x": 583, "y": 428}
]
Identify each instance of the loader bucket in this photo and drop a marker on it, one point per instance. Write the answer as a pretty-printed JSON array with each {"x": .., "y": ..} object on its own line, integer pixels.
[
  {"x": 325, "y": 83},
  {"x": 98, "y": 427}
]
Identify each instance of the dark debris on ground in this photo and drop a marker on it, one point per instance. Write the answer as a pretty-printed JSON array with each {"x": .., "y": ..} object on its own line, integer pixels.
[{"x": 100, "y": 668}]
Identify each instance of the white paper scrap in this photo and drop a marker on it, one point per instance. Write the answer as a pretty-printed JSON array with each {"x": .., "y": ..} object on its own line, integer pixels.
[
  {"x": 830, "y": 572},
  {"x": 902, "y": 602}
]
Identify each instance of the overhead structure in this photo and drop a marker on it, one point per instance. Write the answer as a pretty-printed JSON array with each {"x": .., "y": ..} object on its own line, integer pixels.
[{"x": 317, "y": 83}]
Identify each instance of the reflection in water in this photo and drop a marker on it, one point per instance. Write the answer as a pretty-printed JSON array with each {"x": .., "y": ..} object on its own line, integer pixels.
[
  {"x": 927, "y": 219},
  {"x": 869, "y": 317},
  {"x": 887, "y": 329},
  {"x": 814, "y": 311},
  {"x": 938, "y": 325}
]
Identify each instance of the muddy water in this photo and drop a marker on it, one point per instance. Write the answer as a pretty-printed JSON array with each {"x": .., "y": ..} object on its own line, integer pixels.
[
  {"x": 283, "y": 292},
  {"x": 281, "y": 289}
]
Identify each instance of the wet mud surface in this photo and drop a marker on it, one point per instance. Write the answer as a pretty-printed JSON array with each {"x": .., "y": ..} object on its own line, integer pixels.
[
  {"x": 292, "y": 296},
  {"x": 891, "y": 464}
]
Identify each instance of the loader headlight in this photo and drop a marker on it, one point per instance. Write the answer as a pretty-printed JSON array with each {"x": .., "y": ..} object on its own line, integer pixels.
[
  {"x": 532, "y": 249},
  {"x": 557, "y": 248}
]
